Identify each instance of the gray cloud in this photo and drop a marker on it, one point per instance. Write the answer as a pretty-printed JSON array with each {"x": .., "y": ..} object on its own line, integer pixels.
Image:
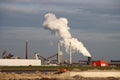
[
  {"x": 25, "y": 33},
  {"x": 18, "y": 9}
]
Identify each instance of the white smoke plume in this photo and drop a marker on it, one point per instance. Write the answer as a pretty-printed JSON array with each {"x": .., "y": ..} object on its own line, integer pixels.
[{"x": 60, "y": 27}]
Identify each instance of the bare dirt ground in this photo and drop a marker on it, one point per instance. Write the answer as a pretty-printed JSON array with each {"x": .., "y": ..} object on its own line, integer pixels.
[{"x": 46, "y": 76}]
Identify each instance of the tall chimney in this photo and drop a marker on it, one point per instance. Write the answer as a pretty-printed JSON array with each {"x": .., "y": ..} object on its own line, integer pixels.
[
  {"x": 70, "y": 52},
  {"x": 26, "y": 51},
  {"x": 58, "y": 52},
  {"x": 60, "y": 55}
]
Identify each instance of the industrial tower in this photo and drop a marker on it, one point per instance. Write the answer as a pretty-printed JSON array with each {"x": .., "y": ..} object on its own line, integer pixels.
[{"x": 60, "y": 54}]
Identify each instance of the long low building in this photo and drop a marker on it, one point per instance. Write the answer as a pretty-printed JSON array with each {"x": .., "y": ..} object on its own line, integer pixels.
[{"x": 20, "y": 62}]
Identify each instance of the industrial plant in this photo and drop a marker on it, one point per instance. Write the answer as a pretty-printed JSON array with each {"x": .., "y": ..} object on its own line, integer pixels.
[
  {"x": 42, "y": 67},
  {"x": 60, "y": 27},
  {"x": 58, "y": 67},
  {"x": 38, "y": 60}
]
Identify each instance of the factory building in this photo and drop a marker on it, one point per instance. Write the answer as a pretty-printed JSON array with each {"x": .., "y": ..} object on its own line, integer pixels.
[
  {"x": 20, "y": 62},
  {"x": 11, "y": 60}
]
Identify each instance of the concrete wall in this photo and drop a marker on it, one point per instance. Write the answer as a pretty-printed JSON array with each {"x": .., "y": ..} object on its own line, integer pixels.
[{"x": 20, "y": 62}]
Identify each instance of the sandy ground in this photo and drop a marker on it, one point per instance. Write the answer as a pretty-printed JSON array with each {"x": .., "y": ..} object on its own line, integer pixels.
[{"x": 48, "y": 76}]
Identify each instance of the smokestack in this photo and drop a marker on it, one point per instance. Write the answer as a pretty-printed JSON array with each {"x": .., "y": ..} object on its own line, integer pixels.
[
  {"x": 89, "y": 61},
  {"x": 26, "y": 55},
  {"x": 70, "y": 52},
  {"x": 59, "y": 57},
  {"x": 58, "y": 49}
]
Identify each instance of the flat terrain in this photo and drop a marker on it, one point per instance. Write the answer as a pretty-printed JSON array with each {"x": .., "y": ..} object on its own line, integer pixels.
[
  {"x": 36, "y": 68},
  {"x": 52, "y": 72},
  {"x": 48, "y": 76}
]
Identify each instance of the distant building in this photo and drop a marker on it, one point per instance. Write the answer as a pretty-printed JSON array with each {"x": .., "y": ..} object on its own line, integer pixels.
[
  {"x": 20, "y": 62},
  {"x": 115, "y": 62}
]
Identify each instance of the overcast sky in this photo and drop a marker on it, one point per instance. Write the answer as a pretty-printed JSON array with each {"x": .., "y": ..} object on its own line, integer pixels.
[{"x": 94, "y": 22}]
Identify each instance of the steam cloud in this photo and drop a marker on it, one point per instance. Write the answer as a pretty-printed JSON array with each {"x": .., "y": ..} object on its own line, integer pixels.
[{"x": 59, "y": 26}]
